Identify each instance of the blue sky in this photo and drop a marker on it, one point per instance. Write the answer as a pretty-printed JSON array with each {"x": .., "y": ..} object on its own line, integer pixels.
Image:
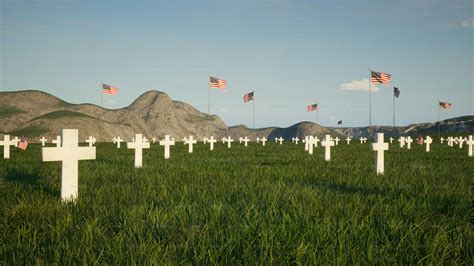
[{"x": 291, "y": 53}]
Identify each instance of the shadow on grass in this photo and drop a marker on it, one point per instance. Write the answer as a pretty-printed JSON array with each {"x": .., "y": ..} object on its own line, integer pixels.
[
  {"x": 354, "y": 189},
  {"x": 31, "y": 180}
]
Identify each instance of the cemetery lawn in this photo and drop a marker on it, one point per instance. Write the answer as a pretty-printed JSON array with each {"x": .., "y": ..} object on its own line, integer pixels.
[{"x": 255, "y": 205}]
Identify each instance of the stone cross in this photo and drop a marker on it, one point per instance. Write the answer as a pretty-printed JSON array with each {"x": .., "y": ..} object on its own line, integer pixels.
[
  {"x": 311, "y": 143},
  {"x": 69, "y": 153},
  {"x": 296, "y": 140},
  {"x": 204, "y": 140},
  {"x": 306, "y": 144},
  {"x": 450, "y": 141},
  {"x": 293, "y": 139},
  {"x": 263, "y": 140},
  {"x": 441, "y": 140},
  {"x": 91, "y": 140},
  {"x": 57, "y": 141},
  {"x": 240, "y": 140},
  {"x": 391, "y": 140},
  {"x": 336, "y": 140},
  {"x": 409, "y": 140},
  {"x": 190, "y": 141},
  {"x": 229, "y": 141},
  {"x": 316, "y": 140},
  {"x": 6, "y": 143},
  {"x": 280, "y": 140},
  {"x": 428, "y": 141},
  {"x": 246, "y": 140},
  {"x": 469, "y": 143},
  {"x": 361, "y": 140},
  {"x": 327, "y": 144},
  {"x": 118, "y": 140},
  {"x": 211, "y": 142},
  {"x": 380, "y": 147},
  {"x": 258, "y": 140},
  {"x": 145, "y": 139},
  {"x": 365, "y": 140},
  {"x": 401, "y": 140},
  {"x": 167, "y": 142},
  {"x": 139, "y": 144},
  {"x": 153, "y": 139},
  {"x": 43, "y": 141},
  {"x": 348, "y": 140},
  {"x": 276, "y": 139}
]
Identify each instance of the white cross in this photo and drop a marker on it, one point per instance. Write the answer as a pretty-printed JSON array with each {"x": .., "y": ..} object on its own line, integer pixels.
[
  {"x": 280, "y": 140},
  {"x": 211, "y": 142},
  {"x": 450, "y": 141},
  {"x": 240, "y": 140},
  {"x": 43, "y": 141},
  {"x": 316, "y": 140},
  {"x": 441, "y": 140},
  {"x": 365, "y": 140},
  {"x": 204, "y": 140},
  {"x": 263, "y": 141},
  {"x": 296, "y": 140},
  {"x": 16, "y": 140},
  {"x": 167, "y": 142},
  {"x": 91, "y": 141},
  {"x": 409, "y": 140},
  {"x": 348, "y": 140},
  {"x": 57, "y": 141},
  {"x": 402, "y": 141},
  {"x": 190, "y": 142},
  {"x": 336, "y": 140},
  {"x": 310, "y": 144},
  {"x": 469, "y": 143},
  {"x": 380, "y": 147},
  {"x": 118, "y": 140},
  {"x": 139, "y": 144},
  {"x": 229, "y": 141},
  {"x": 153, "y": 139},
  {"x": 6, "y": 143},
  {"x": 327, "y": 143},
  {"x": 69, "y": 153},
  {"x": 361, "y": 140},
  {"x": 258, "y": 140},
  {"x": 293, "y": 139},
  {"x": 246, "y": 140},
  {"x": 428, "y": 141},
  {"x": 461, "y": 141},
  {"x": 145, "y": 139},
  {"x": 306, "y": 144},
  {"x": 391, "y": 140}
]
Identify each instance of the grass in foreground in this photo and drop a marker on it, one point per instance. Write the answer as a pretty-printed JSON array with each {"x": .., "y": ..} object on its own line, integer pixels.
[{"x": 265, "y": 205}]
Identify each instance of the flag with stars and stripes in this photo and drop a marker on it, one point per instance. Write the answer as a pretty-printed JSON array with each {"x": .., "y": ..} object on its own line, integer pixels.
[
  {"x": 107, "y": 89},
  {"x": 445, "y": 105},
  {"x": 312, "y": 107},
  {"x": 23, "y": 143},
  {"x": 396, "y": 92},
  {"x": 217, "y": 83},
  {"x": 379, "y": 77},
  {"x": 248, "y": 97}
]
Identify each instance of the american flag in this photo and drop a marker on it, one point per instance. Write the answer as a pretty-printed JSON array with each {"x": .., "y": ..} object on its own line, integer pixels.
[
  {"x": 396, "y": 92},
  {"x": 23, "y": 144},
  {"x": 217, "y": 83},
  {"x": 419, "y": 140},
  {"x": 312, "y": 107},
  {"x": 248, "y": 97},
  {"x": 339, "y": 122},
  {"x": 107, "y": 89},
  {"x": 445, "y": 105},
  {"x": 379, "y": 77}
]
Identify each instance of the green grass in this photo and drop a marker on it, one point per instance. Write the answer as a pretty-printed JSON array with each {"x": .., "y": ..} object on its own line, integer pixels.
[
  {"x": 7, "y": 111},
  {"x": 61, "y": 114},
  {"x": 255, "y": 205}
]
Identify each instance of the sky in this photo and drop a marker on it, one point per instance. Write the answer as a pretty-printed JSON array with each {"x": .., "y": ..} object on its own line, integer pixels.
[{"x": 291, "y": 53}]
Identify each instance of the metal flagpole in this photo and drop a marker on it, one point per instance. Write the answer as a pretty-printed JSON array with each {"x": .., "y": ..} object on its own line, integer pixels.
[
  {"x": 209, "y": 109},
  {"x": 438, "y": 119},
  {"x": 370, "y": 101},
  {"x": 317, "y": 115},
  {"x": 253, "y": 110},
  {"x": 393, "y": 107},
  {"x": 101, "y": 95}
]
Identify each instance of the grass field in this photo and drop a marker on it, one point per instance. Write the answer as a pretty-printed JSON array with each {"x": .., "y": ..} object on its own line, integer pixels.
[{"x": 254, "y": 205}]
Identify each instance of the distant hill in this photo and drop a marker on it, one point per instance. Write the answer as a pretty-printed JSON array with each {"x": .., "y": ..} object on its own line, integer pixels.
[{"x": 34, "y": 114}]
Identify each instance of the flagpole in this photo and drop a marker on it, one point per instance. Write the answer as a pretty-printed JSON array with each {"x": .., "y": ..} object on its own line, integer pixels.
[
  {"x": 208, "y": 109},
  {"x": 438, "y": 119},
  {"x": 101, "y": 96},
  {"x": 254, "y": 110},
  {"x": 370, "y": 100},
  {"x": 317, "y": 116},
  {"x": 393, "y": 107}
]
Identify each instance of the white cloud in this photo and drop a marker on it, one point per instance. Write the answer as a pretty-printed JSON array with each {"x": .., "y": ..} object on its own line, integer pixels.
[
  {"x": 359, "y": 85},
  {"x": 469, "y": 23}
]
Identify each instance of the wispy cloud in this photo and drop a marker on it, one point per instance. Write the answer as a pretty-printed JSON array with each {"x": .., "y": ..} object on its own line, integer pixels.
[
  {"x": 469, "y": 23},
  {"x": 359, "y": 85}
]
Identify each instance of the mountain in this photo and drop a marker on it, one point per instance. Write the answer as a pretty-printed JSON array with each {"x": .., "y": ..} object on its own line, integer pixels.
[
  {"x": 34, "y": 114},
  {"x": 154, "y": 114},
  {"x": 458, "y": 124}
]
